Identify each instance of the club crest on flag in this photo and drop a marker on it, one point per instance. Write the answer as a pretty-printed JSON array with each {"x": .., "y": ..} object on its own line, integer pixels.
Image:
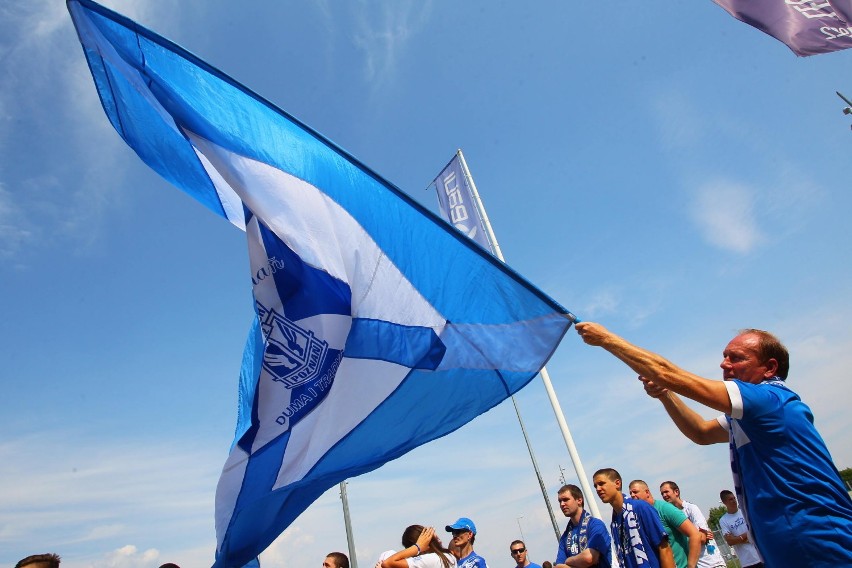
[{"x": 294, "y": 355}]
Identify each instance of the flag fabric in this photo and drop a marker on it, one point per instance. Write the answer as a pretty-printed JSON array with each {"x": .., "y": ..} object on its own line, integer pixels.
[
  {"x": 456, "y": 202},
  {"x": 377, "y": 328},
  {"x": 808, "y": 27},
  {"x": 843, "y": 9}
]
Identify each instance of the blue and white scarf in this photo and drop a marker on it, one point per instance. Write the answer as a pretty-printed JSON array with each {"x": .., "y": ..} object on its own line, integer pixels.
[
  {"x": 579, "y": 541},
  {"x": 735, "y": 459},
  {"x": 620, "y": 527}
]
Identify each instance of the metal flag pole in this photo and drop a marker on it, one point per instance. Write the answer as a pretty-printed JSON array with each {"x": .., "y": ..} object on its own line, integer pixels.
[
  {"x": 545, "y": 378},
  {"x": 350, "y": 541},
  {"x": 537, "y": 472}
]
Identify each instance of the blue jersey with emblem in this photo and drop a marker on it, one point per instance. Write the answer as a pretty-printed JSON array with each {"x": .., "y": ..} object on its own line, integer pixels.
[
  {"x": 597, "y": 538},
  {"x": 472, "y": 560},
  {"x": 798, "y": 509},
  {"x": 637, "y": 539}
]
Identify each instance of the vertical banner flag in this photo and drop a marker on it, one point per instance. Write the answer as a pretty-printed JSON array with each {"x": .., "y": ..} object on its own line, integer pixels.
[
  {"x": 808, "y": 27},
  {"x": 362, "y": 347},
  {"x": 456, "y": 202}
]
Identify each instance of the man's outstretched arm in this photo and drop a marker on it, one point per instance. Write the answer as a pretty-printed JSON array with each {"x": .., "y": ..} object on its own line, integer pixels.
[
  {"x": 661, "y": 371},
  {"x": 689, "y": 422}
]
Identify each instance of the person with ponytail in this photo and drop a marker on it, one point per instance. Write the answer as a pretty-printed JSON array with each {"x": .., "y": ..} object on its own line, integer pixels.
[{"x": 421, "y": 549}]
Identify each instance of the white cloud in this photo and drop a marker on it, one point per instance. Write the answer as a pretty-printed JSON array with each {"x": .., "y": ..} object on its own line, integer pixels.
[
  {"x": 724, "y": 212},
  {"x": 128, "y": 557},
  {"x": 679, "y": 121},
  {"x": 382, "y": 40},
  {"x": 66, "y": 160},
  {"x": 380, "y": 32},
  {"x": 13, "y": 230},
  {"x": 95, "y": 490}
]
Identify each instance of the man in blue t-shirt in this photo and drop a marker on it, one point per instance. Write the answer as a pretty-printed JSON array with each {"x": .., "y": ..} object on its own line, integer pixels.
[
  {"x": 518, "y": 550},
  {"x": 791, "y": 493},
  {"x": 639, "y": 537},
  {"x": 585, "y": 541},
  {"x": 464, "y": 533}
]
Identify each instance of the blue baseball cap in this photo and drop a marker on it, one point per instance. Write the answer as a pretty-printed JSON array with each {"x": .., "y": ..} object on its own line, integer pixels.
[{"x": 463, "y": 524}]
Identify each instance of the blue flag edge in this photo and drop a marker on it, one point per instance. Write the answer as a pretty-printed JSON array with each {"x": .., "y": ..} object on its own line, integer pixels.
[{"x": 195, "y": 60}]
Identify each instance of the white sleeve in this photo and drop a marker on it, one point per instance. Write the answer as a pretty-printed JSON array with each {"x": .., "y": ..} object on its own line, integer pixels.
[
  {"x": 736, "y": 399},
  {"x": 697, "y": 517}
]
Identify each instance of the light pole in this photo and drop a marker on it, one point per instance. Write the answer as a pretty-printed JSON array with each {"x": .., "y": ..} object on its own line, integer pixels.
[{"x": 520, "y": 529}]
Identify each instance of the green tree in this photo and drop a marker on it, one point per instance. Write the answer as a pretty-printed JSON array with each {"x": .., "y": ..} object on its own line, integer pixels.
[
  {"x": 846, "y": 476},
  {"x": 715, "y": 514}
]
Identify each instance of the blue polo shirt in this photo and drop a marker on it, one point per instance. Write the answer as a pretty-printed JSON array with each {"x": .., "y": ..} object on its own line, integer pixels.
[{"x": 798, "y": 509}]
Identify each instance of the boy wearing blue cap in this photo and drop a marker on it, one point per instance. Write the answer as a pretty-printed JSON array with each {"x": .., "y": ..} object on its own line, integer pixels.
[{"x": 464, "y": 533}]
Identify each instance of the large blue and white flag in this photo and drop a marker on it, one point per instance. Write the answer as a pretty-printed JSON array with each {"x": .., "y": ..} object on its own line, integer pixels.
[
  {"x": 377, "y": 327},
  {"x": 457, "y": 204},
  {"x": 808, "y": 27}
]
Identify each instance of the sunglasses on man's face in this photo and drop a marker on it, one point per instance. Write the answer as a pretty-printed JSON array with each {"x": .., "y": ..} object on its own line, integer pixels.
[
  {"x": 519, "y": 550},
  {"x": 457, "y": 532}
]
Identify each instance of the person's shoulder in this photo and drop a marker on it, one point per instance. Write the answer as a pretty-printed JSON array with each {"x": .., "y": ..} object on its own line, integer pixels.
[
  {"x": 642, "y": 507},
  {"x": 598, "y": 532},
  {"x": 533, "y": 565},
  {"x": 776, "y": 389},
  {"x": 694, "y": 512},
  {"x": 638, "y": 504},
  {"x": 670, "y": 510}
]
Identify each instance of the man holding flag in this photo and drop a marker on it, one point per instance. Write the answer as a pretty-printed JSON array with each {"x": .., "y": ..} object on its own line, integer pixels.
[{"x": 794, "y": 500}]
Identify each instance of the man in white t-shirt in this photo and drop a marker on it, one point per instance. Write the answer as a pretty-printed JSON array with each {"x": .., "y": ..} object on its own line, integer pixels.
[
  {"x": 709, "y": 557},
  {"x": 735, "y": 530}
]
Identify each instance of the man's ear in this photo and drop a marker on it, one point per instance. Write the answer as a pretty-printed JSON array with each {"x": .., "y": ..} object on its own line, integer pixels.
[{"x": 771, "y": 365}]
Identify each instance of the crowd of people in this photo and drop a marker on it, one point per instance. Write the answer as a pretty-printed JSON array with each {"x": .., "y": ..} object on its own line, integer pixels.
[
  {"x": 795, "y": 511},
  {"x": 52, "y": 560},
  {"x": 646, "y": 532},
  {"x": 789, "y": 506}
]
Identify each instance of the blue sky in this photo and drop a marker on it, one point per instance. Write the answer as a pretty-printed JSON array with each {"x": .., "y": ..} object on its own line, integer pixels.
[{"x": 663, "y": 169}]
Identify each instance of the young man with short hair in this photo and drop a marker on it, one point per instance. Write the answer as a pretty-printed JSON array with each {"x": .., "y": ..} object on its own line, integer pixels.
[
  {"x": 518, "y": 550},
  {"x": 639, "y": 536},
  {"x": 586, "y": 540},
  {"x": 464, "y": 533},
  {"x": 335, "y": 560},
  {"x": 49, "y": 560},
  {"x": 736, "y": 533},
  {"x": 710, "y": 556}
]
